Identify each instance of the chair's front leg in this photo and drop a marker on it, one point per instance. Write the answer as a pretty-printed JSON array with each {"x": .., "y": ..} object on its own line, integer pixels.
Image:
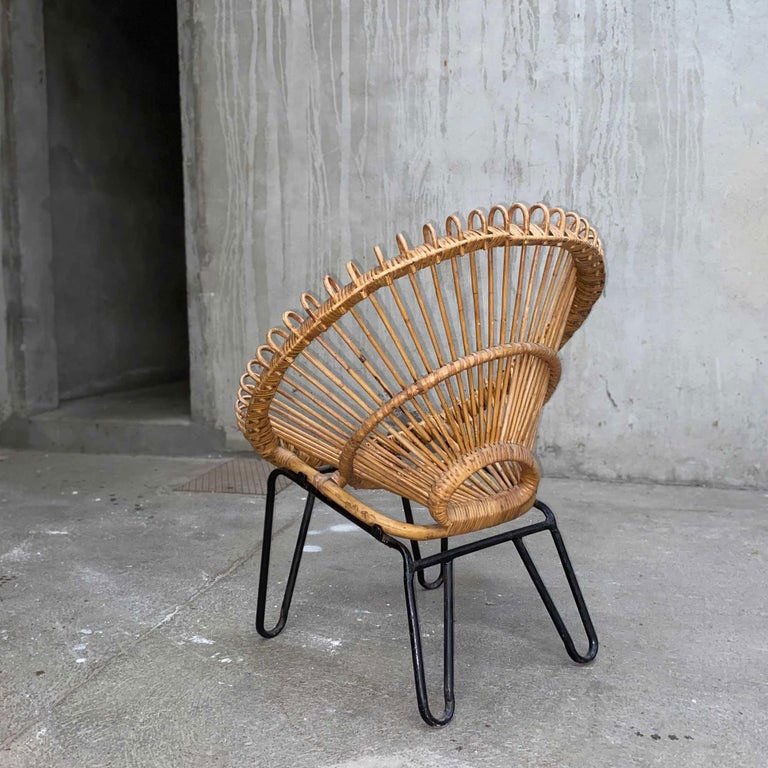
[
  {"x": 266, "y": 547},
  {"x": 573, "y": 583},
  {"x": 417, "y": 654}
]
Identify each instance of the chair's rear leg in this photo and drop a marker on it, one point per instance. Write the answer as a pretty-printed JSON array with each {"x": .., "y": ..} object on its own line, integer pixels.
[
  {"x": 415, "y": 548},
  {"x": 417, "y": 654},
  {"x": 573, "y": 583},
  {"x": 266, "y": 547}
]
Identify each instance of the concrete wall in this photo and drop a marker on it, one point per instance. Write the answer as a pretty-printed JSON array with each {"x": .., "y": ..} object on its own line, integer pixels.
[
  {"x": 6, "y": 226},
  {"x": 117, "y": 210},
  {"x": 28, "y": 375},
  {"x": 314, "y": 132}
]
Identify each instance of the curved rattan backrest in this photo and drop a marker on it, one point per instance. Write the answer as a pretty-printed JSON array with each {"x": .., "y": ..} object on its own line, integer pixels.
[{"x": 426, "y": 375}]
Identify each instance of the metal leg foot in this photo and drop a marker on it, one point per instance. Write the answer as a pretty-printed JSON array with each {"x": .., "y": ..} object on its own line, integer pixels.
[
  {"x": 269, "y": 513},
  {"x": 565, "y": 560}
]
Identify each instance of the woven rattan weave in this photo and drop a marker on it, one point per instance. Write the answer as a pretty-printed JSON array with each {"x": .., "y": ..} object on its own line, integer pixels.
[{"x": 426, "y": 375}]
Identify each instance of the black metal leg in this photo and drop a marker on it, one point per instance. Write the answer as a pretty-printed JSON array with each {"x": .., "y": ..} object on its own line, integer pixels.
[
  {"x": 414, "y": 566},
  {"x": 573, "y": 583},
  {"x": 420, "y": 575},
  {"x": 417, "y": 654},
  {"x": 269, "y": 513}
]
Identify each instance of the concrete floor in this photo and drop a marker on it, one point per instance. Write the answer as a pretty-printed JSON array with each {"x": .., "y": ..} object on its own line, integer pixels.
[{"x": 127, "y": 639}]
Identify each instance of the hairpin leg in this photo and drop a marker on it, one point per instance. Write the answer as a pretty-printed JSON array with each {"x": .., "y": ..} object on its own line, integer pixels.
[
  {"x": 438, "y": 580},
  {"x": 417, "y": 653},
  {"x": 413, "y": 568},
  {"x": 266, "y": 547},
  {"x": 573, "y": 583}
]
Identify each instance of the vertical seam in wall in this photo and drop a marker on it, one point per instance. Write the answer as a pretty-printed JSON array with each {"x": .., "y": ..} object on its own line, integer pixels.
[
  {"x": 195, "y": 231},
  {"x": 9, "y": 221}
]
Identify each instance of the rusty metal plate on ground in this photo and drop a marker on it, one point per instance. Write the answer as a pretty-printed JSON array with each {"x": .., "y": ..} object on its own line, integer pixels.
[{"x": 247, "y": 476}]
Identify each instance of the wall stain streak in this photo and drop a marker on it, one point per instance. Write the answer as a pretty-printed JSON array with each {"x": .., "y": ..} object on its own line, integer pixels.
[{"x": 329, "y": 126}]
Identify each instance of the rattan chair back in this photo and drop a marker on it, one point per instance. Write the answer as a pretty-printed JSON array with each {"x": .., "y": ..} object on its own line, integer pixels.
[{"x": 426, "y": 375}]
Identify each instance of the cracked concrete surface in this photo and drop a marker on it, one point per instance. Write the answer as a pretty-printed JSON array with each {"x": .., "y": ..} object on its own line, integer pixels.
[{"x": 126, "y": 631}]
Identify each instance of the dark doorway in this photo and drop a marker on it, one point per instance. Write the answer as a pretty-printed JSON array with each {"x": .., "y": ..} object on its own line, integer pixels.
[{"x": 116, "y": 196}]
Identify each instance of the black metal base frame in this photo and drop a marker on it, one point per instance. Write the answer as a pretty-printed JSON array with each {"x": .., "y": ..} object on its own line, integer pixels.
[{"x": 414, "y": 565}]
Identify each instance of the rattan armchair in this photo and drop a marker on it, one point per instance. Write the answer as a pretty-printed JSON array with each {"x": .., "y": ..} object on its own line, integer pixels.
[{"x": 425, "y": 376}]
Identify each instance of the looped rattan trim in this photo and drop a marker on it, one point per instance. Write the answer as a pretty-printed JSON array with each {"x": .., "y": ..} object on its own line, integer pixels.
[
  {"x": 345, "y": 471},
  {"x": 320, "y": 391},
  {"x": 572, "y": 233}
]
